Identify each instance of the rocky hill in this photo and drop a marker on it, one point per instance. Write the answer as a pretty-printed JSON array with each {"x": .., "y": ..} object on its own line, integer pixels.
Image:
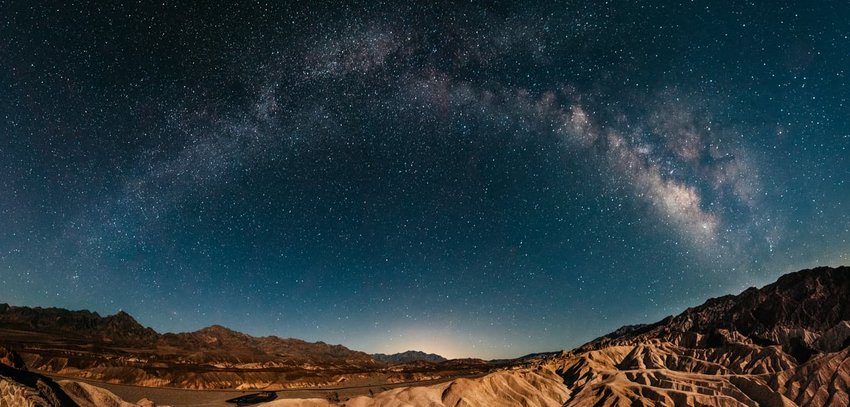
[
  {"x": 118, "y": 349},
  {"x": 786, "y": 344},
  {"x": 409, "y": 356},
  {"x": 119, "y": 328},
  {"x": 804, "y": 313},
  {"x": 211, "y": 345},
  {"x": 21, "y": 387}
]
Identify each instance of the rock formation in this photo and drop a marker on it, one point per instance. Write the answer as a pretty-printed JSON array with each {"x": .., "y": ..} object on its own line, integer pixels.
[
  {"x": 786, "y": 344},
  {"x": 20, "y": 387}
]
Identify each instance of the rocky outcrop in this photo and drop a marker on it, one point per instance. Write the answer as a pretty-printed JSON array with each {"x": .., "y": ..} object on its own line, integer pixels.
[
  {"x": 22, "y": 388},
  {"x": 11, "y": 359},
  {"x": 804, "y": 313},
  {"x": 507, "y": 388},
  {"x": 19, "y": 387},
  {"x": 782, "y": 345},
  {"x": 86, "y": 395},
  {"x": 785, "y": 344}
]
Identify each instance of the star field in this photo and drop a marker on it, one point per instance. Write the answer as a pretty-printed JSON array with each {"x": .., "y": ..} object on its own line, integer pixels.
[{"x": 470, "y": 179}]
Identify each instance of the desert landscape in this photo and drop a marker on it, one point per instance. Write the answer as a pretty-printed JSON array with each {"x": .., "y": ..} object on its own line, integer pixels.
[
  {"x": 424, "y": 203},
  {"x": 117, "y": 349},
  {"x": 785, "y": 344}
]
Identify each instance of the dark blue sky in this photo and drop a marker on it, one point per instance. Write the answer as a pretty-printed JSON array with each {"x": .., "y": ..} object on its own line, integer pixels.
[{"x": 464, "y": 179}]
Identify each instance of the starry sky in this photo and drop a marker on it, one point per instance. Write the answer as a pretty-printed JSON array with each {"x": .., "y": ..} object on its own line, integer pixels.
[{"x": 482, "y": 179}]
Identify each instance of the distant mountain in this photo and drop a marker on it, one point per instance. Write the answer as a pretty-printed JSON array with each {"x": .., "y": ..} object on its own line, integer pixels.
[
  {"x": 117, "y": 348},
  {"x": 528, "y": 357},
  {"x": 118, "y": 328},
  {"x": 409, "y": 356},
  {"x": 211, "y": 345}
]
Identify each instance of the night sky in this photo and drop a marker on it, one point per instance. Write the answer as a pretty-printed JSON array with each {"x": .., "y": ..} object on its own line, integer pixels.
[{"x": 479, "y": 179}]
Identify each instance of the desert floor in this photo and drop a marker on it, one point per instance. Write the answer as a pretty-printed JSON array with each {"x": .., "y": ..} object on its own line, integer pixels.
[{"x": 209, "y": 398}]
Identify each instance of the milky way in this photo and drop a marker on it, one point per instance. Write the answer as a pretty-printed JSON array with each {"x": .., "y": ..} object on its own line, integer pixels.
[{"x": 464, "y": 179}]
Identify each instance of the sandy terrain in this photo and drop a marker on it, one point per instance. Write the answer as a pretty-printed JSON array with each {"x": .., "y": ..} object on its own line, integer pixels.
[{"x": 209, "y": 398}]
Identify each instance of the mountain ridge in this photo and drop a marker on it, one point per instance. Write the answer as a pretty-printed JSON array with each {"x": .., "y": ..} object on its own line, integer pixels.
[
  {"x": 808, "y": 300},
  {"x": 784, "y": 344},
  {"x": 409, "y": 356},
  {"x": 119, "y": 349}
]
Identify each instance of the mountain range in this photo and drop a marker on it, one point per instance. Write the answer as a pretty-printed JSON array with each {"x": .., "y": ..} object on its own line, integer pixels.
[
  {"x": 785, "y": 344},
  {"x": 118, "y": 349},
  {"x": 409, "y": 357}
]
